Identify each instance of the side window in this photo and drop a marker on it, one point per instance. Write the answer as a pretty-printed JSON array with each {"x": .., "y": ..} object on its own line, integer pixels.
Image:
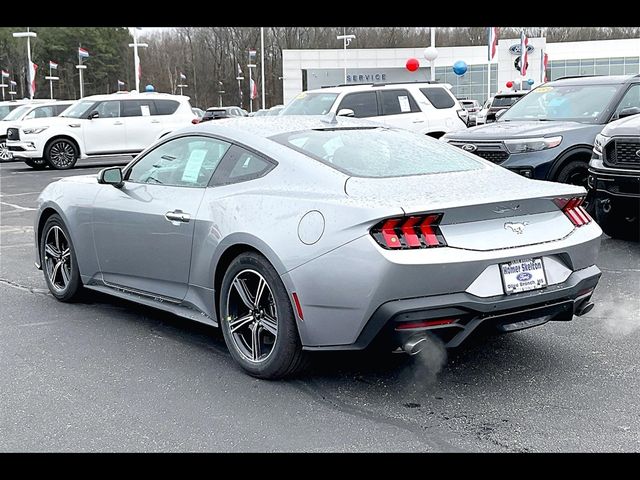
[
  {"x": 58, "y": 109},
  {"x": 241, "y": 165},
  {"x": 395, "y": 102},
  {"x": 138, "y": 108},
  {"x": 363, "y": 104},
  {"x": 165, "y": 107},
  {"x": 439, "y": 97},
  {"x": 109, "y": 109},
  {"x": 182, "y": 162},
  {"x": 630, "y": 99}
]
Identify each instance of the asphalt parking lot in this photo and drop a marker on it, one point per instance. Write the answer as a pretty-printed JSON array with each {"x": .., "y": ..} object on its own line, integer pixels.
[{"x": 109, "y": 375}]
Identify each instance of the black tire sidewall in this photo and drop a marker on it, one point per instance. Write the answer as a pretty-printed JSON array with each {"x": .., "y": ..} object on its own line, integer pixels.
[
  {"x": 566, "y": 171},
  {"x": 47, "y": 153},
  {"x": 287, "y": 344},
  {"x": 75, "y": 283}
]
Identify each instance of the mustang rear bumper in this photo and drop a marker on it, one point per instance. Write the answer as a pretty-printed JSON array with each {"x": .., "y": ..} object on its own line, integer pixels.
[{"x": 468, "y": 312}]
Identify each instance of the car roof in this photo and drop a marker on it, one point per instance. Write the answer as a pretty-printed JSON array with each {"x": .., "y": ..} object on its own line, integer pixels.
[
  {"x": 593, "y": 80},
  {"x": 275, "y": 125},
  {"x": 135, "y": 96},
  {"x": 383, "y": 85}
]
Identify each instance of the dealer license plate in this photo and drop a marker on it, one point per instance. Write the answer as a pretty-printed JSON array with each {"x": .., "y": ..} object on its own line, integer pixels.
[{"x": 523, "y": 275}]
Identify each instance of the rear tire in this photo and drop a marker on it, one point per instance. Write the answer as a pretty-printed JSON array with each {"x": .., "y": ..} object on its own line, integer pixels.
[
  {"x": 266, "y": 343},
  {"x": 36, "y": 163},
  {"x": 61, "y": 154},
  {"x": 59, "y": 261}
]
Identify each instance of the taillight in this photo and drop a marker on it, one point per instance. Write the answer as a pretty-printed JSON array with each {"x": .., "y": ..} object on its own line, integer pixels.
[
  {"x": 417, "y": 231},
  {"x": 573, "y": 209},
  {"x": 195, "y": 121}
]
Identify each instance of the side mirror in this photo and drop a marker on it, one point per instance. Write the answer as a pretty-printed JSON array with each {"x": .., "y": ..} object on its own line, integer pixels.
[
  {"x": 111, "y": 176},
  {"x": 346, "y": 112},
  {"x": 627, "y": 112},
  {"x": 499, "y": 113},
  {"x": 93, "y": 115}
]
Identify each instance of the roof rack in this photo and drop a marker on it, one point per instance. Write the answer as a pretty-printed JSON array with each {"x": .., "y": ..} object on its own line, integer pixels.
[
  {"x": 376, "y": 84},
  {"x": 577, "y": 76}
]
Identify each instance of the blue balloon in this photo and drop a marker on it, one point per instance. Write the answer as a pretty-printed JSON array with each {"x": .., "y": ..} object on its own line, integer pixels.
[
  {"x": 460, "y": 67},
  {"x": 149, "y": 88},
  {"x": 530, "y": 81}
]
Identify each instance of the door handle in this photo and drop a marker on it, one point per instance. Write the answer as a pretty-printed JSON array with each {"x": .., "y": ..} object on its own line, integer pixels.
[
  {"x": 155, "y": 121},
  {"x": 418, "y": 121},
  {"x": 177, "y": 216},
  {"x": 117, "y": 123}
]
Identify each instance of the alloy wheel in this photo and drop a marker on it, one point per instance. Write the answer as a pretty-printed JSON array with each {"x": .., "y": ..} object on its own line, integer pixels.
[
  {"x": 5, "y": 153},
  {"x": 252, "y": 316},
  {"x": 62, "y": 154},
  {"x": 57, "y": 258}
]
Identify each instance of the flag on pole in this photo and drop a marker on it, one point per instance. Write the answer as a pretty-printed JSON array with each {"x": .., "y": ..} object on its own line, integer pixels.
[
  {"x": 12, "y": 83},
  {"x": 493, "y": 42},
  {"x": 182, "y": 76},
  {"x": 32, "y": 79},
  {"x": 545, "y": 60},
  {"x": 5, "y": 74},
  {"x": 524, "y": 56},
  {"x": 53, "y": 65},
  {"x": 82, "y": 53},
  {"x": 254, "y": 89},
  {"x": 120, "y": 83}
]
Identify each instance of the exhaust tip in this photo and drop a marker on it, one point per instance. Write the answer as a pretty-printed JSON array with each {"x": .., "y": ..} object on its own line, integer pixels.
[
  {"x": 585, "y": 308},
  {"x": 414, "y": 345}
]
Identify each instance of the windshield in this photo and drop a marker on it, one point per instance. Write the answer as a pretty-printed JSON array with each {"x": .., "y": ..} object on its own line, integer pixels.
[
  {"x": 78, "y": 109},
  {"x": 310, "y": 104},
  {"x": 579, "y": 103},
  {"x": 505, "y": 101},
  {"x": 5, "y": 109},
  {"x": 17, "y": 112},
  {"x": 379, "y": 152}
]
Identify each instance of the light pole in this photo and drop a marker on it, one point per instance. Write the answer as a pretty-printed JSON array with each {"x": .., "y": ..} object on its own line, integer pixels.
[
  {"x": 136, "y": 58},
  {"x": 220, "y": 93},
  {"x": 239, "y": 78},
  {"x": 28, "y": 35},
  {"x": 261, "y": 64},
  {"x": 347, "y": 40}
]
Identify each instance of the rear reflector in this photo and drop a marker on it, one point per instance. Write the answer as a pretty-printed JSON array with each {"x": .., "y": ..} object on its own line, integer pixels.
[
  {"x": 573, "y": 209},
  {"x": 296, "y": 302},
  {"x": 424, "y": 323},
  {"x": 418, "y": 231}
]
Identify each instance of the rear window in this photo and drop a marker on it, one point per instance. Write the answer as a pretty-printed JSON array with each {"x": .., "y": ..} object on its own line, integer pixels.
[
  {"x": 310, "y": 104},
  {"x": 505, "y": 101},
  {"x": 439, "y": 97},
  {"x": 166, "y": 107},
  {"x": 137, "y": 108},
  {"x": 379, "y": 152}
]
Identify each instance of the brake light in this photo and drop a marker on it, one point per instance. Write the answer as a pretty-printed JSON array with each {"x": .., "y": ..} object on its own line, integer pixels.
[
  {"x": 195, "y": 121},
  {"x": 573, "y": 209},
  {"x": 417, "y": 231},
  {"x": 424, "y": 323}
]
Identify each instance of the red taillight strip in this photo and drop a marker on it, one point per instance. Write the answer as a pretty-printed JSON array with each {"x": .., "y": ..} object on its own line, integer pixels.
[
  {"x": 409, "y": 232},
  {"x": 297, "y": 304},
  {"x": 417, "y": 231},
  {"x": 425, "y": 323},
  {"x": 574, "y": 210}
]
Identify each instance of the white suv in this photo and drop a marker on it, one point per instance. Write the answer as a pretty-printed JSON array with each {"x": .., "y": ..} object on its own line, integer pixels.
[
  {"x": 427, "y": 108},
  {"x": 28, "y": 111},
  {"x": 99, "y": 125}
]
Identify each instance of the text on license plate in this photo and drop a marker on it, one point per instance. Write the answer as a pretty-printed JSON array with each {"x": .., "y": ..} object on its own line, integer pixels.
[{"x": 523, "y": 275}]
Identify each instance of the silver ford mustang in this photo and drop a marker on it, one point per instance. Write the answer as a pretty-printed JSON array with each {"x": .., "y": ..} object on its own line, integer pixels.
[{"x": 321, "y": 233}]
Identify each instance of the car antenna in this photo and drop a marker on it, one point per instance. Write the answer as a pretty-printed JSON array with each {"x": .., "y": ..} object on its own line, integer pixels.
[{"x": 329, "y": 118}]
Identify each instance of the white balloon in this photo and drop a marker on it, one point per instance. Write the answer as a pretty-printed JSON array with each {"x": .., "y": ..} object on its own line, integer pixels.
[{"x": 430, "y": 53}]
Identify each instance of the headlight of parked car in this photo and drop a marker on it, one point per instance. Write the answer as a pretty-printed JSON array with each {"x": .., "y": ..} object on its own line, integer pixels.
[
  {"x": 599, "y": 144},
  {"x": 532, "y": 144},
  {"x": 33, "y": 131}
]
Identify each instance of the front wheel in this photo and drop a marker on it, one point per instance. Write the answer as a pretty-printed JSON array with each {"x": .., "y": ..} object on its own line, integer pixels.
[
  {"x": 59, "y": 261},
  {"x": 257, "y": 319},
  {"x": 61, "y": 154},
  {"x": 574, "y": 173},
  {"x": 36, "y": 163},
  {"x": 5, "y": 153}
]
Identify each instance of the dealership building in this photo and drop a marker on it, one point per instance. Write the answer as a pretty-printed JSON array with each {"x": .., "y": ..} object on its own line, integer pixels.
[{"x": 310, "y": 69}]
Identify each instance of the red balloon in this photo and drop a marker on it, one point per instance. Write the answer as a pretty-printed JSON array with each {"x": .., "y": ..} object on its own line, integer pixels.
[
  {"x": 413, "y": 64},
  {"x": 509, "y": 84}
]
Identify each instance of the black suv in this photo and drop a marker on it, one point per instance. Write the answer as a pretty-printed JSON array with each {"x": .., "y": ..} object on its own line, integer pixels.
[
  {"x": 614, "y": 177},
  {"x": 549, "y": 133},
  {"x": 502, "y": 101}
]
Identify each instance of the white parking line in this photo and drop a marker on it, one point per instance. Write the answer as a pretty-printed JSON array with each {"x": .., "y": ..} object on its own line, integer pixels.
[
  {"x": 17, "y": 206},
  {"x": 16, "y": 194}
]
